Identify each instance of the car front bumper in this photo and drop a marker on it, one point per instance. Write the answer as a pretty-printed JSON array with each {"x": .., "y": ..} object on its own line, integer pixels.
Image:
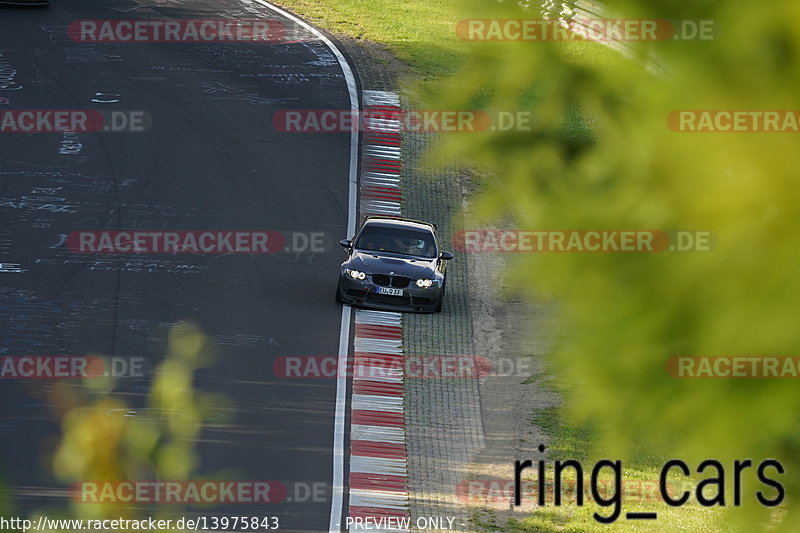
[{"x": 364, "y": 293}]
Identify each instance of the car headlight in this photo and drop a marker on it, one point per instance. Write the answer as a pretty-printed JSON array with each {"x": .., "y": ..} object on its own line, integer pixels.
[
  {"x": 424, "y": 283},
  {"x": 355, "y": 274}
]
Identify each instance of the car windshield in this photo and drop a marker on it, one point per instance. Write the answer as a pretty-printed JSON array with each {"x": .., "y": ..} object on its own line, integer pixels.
[{"x": 396, "y": 240}]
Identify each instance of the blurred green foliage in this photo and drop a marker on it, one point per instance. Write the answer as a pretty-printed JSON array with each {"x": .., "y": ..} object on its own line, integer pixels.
[
  {"x": 106, "y": 438},
  {"x": 630, "y": 312}
]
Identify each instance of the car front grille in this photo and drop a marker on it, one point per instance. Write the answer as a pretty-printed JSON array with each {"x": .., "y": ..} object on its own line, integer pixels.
[
  {"x": 381, "y": 279},
  {"x": 400, "y": 282},
  {"x": 390, "y": 281}
]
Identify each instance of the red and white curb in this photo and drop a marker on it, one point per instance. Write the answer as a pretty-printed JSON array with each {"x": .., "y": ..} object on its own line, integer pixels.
[
  {"x": 381, "y": 164},
  {"x": 378, "y": 455}
]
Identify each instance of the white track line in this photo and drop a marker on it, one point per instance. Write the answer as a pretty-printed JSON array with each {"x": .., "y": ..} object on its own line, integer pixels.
[{"x": 337, "y": 499}]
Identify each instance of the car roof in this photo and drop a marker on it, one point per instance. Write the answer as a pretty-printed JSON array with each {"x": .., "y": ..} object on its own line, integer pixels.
[{"x": 390, "y": 222}]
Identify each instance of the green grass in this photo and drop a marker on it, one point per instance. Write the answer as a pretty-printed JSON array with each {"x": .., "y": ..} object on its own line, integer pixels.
[{"x": 422, "y": 34}]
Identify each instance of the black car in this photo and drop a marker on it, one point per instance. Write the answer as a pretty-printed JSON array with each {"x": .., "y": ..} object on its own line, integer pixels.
[{"x": 393, "y": 264}]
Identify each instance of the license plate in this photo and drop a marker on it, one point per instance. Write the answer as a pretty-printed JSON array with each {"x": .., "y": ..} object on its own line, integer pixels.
[{"x": 389, "y": 290}]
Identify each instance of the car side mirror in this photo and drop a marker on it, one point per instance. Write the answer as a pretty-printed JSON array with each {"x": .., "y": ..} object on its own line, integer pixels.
[
  {"x": 445, "y": 256},
  {"x": 346, "y": 243}
]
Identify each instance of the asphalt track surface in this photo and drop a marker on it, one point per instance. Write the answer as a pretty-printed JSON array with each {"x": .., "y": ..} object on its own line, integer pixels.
[{"x": 210, "y": 160}]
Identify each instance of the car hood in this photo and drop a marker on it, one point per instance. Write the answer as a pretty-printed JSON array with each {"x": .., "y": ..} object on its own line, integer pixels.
[{"x": 410, "y": 267}]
